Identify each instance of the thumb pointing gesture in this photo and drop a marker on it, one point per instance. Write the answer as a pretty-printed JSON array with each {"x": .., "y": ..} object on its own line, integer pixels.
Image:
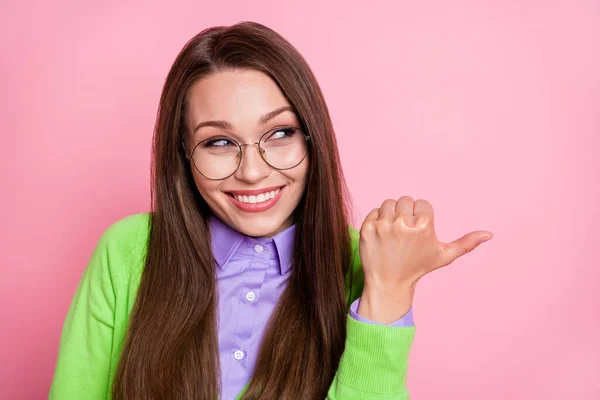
[
  {"x": 460, "y": 247},
  {"x": 397, "y": 247},
  {"x": 398, "y": 244}
]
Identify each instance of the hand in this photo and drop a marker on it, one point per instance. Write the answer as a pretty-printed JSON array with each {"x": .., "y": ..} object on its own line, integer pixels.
[{"x": 398, "y": 246}]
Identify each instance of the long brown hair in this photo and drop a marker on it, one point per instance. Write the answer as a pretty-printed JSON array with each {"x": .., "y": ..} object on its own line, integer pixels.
[{"x": 171, "y": 347}]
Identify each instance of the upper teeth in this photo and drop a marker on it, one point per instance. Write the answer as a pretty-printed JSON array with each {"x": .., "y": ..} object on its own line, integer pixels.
[{"x": 252, "y": 199}]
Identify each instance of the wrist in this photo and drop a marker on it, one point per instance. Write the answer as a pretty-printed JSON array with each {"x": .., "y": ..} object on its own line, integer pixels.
[{"x": 385, "y": 305}]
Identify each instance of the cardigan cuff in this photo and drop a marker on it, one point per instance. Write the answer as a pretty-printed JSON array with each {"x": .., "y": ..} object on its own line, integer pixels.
[
  {"x": 406, "y": 321},
  {"x": 375, "y": 359}
]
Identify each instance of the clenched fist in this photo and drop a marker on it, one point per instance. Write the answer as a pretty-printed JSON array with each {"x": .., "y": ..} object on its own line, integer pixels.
[{"x": 398, "y": 246}]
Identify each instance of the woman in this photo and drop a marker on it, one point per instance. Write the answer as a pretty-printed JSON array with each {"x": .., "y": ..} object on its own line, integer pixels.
[{"x": 239, "y": 283}]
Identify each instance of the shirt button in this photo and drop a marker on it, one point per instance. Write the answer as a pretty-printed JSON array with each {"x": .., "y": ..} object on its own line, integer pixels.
[
  {"x": 258, "y": 248},
  {"x": 250, "y": 296},
  {"x": 238, "y": 354}
]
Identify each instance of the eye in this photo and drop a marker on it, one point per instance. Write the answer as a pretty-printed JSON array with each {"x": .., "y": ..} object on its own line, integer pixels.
[
  {"x": 218, "y": 142},
  {"x": 281, "y": 133}
]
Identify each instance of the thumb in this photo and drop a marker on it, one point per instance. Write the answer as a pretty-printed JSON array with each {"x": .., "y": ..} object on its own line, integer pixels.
[{"x": 464, "y": 245}]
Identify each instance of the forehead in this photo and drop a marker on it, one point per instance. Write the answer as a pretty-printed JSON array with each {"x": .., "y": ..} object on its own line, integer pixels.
[{"x": 237, "y": 96}]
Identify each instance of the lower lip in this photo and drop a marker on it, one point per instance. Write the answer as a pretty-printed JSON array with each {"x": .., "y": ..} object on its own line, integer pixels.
[{"x": 256, "y": 207}]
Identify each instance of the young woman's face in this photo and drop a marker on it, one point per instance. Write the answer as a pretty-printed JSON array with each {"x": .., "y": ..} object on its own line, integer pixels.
[{"x": 237, "y": 101}]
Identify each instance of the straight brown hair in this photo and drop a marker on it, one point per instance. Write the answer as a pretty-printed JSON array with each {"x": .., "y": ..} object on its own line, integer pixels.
[{"x": 171, "y": 347}]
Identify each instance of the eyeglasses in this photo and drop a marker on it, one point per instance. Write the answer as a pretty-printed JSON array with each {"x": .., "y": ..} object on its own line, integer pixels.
[{"x": 220, "y": 157}]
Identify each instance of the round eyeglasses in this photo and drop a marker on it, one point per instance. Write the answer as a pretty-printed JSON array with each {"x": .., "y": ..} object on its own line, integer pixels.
[{"x": 220, "y": 157}]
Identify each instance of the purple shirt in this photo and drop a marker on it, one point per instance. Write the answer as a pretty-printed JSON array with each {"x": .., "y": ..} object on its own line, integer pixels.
[{"x": 252, "y": 273}]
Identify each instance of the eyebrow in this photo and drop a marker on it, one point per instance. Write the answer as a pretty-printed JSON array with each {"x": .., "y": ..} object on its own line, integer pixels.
[{"x": 262, "y": 120}]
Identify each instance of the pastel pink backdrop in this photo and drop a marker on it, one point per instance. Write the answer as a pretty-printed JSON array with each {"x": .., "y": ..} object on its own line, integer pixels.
[{"x": 489, "y": 110}]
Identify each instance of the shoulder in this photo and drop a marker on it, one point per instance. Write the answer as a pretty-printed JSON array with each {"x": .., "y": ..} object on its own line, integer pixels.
[
  {"x": 128, "y": 228},
  {"x": 124, "y": 244},
  {"x": 130, "y": 231}
]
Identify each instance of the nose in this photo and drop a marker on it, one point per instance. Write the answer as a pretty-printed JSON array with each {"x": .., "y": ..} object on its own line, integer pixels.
[{"x": 252, "y": 166}]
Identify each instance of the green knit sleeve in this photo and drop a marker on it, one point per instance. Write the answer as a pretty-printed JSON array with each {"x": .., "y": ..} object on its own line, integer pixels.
[
  {"x": 375, "y": 360},
  {"x": 83, "y": 363}
]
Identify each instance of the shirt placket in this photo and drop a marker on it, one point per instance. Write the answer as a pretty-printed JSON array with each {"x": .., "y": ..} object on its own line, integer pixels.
[{"x": 248, "y": 297}]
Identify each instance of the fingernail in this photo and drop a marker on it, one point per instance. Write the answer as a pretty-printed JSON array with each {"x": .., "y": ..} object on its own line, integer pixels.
[{"x": 486, "y": 238}]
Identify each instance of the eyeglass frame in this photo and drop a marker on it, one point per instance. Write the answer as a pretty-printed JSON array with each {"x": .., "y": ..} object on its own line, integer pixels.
[{"x": 241, "y": 151}]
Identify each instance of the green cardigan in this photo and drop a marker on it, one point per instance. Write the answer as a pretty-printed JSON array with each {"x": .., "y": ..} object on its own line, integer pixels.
[{"x": 373, "y": 365}]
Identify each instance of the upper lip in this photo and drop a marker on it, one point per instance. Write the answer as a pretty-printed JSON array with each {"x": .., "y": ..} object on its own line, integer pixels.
[{"x": 254, "y": 191}]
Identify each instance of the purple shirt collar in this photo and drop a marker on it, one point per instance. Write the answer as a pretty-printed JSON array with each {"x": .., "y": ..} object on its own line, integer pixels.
[{"x": 225, "y": 241}]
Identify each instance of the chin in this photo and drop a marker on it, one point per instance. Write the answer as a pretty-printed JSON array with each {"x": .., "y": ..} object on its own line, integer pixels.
[{"x": 260, "y": 228}]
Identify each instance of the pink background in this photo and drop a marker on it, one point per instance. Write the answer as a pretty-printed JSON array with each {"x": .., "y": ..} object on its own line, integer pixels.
[{"x": 490, "y": 112}]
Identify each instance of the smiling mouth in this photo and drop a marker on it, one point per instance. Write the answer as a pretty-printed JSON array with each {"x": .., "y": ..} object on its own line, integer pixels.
[{"x": 257, "y": 197}]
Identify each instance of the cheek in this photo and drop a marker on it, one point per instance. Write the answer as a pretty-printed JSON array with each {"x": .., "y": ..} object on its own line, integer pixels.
[
  {"x": 206, "y": 187},
  {"x": 300, "y": 176},
  {"x": 303, "y": 172}
]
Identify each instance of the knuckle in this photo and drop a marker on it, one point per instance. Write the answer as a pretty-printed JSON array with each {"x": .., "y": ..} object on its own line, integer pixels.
[
  {"x": 398, "y": 225},
  {"x": 384, "y": 227},
  {"x": 368, "y": 227},
  {"x": 422, "y": 222}
]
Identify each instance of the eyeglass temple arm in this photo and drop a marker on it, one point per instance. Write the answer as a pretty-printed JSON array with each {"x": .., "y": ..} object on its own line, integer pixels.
[{"x": 188, "y": 156}]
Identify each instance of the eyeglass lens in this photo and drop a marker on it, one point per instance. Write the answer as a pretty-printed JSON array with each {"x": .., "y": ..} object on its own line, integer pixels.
[{"x": 281, "y": 148}]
